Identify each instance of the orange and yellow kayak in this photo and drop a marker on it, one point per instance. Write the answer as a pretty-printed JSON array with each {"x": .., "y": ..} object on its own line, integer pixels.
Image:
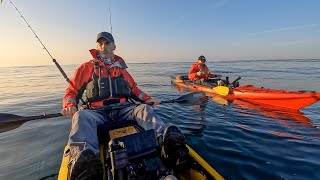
[{"x": 282, "y": 98}]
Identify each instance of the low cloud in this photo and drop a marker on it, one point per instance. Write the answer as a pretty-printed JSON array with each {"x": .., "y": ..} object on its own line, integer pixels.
[{"x": 282, "y": 29}]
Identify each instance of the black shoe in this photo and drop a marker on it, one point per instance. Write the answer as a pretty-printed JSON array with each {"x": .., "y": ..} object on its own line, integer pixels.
[
  {"x": 174, "y": 148},
  {"x": 85, "y": 165}
]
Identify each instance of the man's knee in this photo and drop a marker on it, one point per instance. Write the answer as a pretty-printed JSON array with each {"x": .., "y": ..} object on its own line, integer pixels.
[
  {"x": 81, "y": 116},
  {"x": 144, "y": 108}
]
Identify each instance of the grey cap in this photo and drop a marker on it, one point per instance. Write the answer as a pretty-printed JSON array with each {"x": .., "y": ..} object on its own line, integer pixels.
[{"x": 105, "y": 35}]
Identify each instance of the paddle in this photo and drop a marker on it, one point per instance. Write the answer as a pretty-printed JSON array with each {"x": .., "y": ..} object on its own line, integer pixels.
[
  {"x": 221, "y": 90},
  {"x": 11, "y": 121},
  {"x": 191, "y": 98},
  {"x": 224, "y": 90}
]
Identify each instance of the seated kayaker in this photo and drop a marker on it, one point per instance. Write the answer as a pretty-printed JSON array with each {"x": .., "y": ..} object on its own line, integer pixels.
[
  {"x": 107, "y": 82},
  {"x": 200, "y": 71}
]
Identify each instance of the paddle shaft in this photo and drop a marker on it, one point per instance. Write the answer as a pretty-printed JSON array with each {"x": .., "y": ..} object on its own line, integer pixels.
[
  {"x": 162, "y": 102},
  {"x": 46, "y": 116},
  {"x": 168, "y": 101},
  {"x": 53, "y": 115},
  {"x": 28, "y": 118}
]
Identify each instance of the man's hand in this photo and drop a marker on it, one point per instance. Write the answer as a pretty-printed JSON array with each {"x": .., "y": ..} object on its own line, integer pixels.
[
  {"x": 69, "y": 111},
  {"x": 199, "y": 73},
  {"x": 154, "y": 101},
  {"x": 218, "y": 75}
]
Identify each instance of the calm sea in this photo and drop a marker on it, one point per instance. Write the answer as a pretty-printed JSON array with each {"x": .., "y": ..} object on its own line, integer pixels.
[{"x": 240, "y": 140}]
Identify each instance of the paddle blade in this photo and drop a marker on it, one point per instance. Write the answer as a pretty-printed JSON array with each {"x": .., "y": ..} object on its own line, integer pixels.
[
  {"x": 192, "y": 98},
  {"x": 6, "y": 124},
  {"x": 4, "y": 117},
  {"x": 11, "y": 121},
  {"x": 221, "y": 90}
]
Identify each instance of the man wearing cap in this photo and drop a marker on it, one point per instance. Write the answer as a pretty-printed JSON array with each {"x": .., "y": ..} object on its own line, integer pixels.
[
  {"x": 199, "y": 70},
  {"x": 106, "y": 82}
]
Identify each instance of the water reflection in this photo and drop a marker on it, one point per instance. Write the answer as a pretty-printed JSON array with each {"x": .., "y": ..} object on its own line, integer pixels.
[
  {"x": 195, "y": 126},
  {"x": 289, "y": 118},
  {"x": 293, "y": 120},
  {"x": 282, "y": 115}
]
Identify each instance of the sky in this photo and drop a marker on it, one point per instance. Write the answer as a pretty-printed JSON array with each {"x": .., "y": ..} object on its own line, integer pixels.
[{"x": 160, "y": 30}]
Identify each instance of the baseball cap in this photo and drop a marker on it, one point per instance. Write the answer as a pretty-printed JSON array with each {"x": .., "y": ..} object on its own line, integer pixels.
[
  {"x": 105, "y": 35},
  {"x": 202, "y": 58}
]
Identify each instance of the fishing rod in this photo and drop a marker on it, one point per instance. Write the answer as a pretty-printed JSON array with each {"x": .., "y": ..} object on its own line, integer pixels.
[
  {"x": 110, "y": 16},
  {"x": 44, "y": 47}
]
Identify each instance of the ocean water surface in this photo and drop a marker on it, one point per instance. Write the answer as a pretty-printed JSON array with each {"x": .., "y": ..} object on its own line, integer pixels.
[{"x": 239, "y": 139}]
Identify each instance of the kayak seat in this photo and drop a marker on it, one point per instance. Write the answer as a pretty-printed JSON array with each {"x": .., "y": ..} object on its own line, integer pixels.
[
  {"x": 207, "y": 82},
  {"x": 183, "y": 77}
]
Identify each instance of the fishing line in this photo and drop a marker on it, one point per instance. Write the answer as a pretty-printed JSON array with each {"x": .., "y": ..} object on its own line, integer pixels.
[
  {"x": 110, "y": 15},
  {"x": 44, "y": 47}
]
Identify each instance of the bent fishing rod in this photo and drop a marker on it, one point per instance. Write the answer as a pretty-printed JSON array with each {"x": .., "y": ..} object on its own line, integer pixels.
[{"x": 44, "y": 47}]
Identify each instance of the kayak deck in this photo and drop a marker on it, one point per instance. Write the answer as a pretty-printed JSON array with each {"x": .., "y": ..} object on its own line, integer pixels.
[{"x": 194, "y": 167}]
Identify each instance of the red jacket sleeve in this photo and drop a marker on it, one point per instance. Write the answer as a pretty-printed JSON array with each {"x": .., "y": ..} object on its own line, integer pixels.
[
  {"x": 79, "y": 78},
  {"x": 193, "y": 72},
  {"x": 135, "y": 90}
]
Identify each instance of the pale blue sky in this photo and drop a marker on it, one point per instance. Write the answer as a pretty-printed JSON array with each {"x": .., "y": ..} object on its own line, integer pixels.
[{"x": 161, "y": 30}]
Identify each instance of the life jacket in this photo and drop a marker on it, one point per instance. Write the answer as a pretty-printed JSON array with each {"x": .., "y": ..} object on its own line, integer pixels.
[
  {"x": 91, "y": 79},
  {"x": 196, "y": 67},
  {"x": 113, "y": 86}
]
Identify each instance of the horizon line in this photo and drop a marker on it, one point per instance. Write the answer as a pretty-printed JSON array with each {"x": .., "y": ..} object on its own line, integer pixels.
[{"x": 243, "y": 60}]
